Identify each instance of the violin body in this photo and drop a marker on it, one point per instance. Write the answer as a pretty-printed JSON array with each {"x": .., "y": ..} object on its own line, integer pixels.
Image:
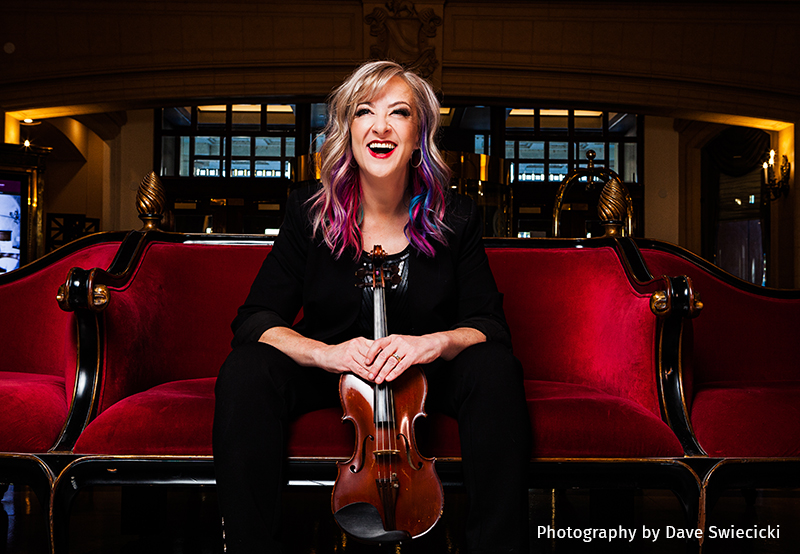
[
  {"x": 402, "y": 485},
  {"x": 387, "y": 491}
]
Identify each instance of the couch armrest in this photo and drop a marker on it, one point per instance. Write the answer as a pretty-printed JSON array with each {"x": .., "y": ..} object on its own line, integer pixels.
[
  {"x": 676, "y": 305},
  {"x": 743, "y": 339},
  {"x": 681, "y": 304},
  {"x": 163, "y": 308},
  {"x": 40, "y": 339}
]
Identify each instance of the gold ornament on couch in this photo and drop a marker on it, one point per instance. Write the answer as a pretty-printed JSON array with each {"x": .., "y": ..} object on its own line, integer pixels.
[{"x": 151, "y": 201}]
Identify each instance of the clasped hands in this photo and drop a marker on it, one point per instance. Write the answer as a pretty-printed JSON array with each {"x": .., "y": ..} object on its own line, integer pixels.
[{"x": 383, "y": 359}]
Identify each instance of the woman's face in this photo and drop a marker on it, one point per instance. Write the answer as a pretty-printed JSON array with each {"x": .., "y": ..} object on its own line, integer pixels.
[{"x": 384, "y": 132}]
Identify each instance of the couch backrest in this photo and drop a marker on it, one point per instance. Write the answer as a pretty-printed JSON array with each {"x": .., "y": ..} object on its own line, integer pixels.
[
  {"x": 575, "y": 317},
  {"x": 37, "y": 336},
  {"x": 573, "y": 313},
  {"x": 742, "y": 334},
  {"x": 175, "y": 314}
]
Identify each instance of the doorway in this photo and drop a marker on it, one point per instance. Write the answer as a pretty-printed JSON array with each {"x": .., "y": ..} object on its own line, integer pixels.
[{"x": 736, "y": 212}]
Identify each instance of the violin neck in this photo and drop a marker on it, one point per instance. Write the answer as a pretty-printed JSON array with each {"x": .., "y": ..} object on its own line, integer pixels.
[
  {"x": 384, "y": 405},
  {"x": 379, "y": 318}
]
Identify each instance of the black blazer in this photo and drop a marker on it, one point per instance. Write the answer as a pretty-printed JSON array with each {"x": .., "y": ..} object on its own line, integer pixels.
[{"x": 454, "y": 289}]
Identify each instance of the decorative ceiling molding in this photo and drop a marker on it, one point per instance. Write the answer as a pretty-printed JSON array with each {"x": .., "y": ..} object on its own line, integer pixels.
[{"x": 404, "y": 34}]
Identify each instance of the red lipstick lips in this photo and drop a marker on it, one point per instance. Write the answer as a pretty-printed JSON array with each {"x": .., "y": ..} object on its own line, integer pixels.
[{"x": 382, "y": 149}]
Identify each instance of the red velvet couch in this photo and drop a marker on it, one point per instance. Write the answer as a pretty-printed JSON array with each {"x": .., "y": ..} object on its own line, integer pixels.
[
  {"x": 43, "y": 403},
  {"x": 120, "y": 380},
  {"x": 741, "y": 383},
  {"x": 588, "y": 322}
]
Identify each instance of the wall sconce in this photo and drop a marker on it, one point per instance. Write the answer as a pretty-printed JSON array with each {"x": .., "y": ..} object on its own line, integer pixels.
[{"x": 779, "y": 187}]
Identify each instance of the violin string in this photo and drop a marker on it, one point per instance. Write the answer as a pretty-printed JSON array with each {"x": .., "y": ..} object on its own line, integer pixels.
[
  {"x": 386, "y": 423},
  {"x": 376, "y": 335},
  {"x": 379, "y": 307},
  {"x": 389, "y": 397},
  {"x": 392, "y": 429}
]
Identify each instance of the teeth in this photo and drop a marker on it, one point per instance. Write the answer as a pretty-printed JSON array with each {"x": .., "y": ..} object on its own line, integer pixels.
[{"x": 381, "y": 146}]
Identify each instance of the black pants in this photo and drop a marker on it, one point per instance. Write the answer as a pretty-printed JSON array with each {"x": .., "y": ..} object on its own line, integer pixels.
[{"x": 260, "y": 390}]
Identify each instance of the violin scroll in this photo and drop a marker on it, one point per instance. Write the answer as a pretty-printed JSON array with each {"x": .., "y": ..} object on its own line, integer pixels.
[{"x": 377, "y": 273}]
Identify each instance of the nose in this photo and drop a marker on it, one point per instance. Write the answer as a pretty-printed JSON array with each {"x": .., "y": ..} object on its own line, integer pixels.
[{"x": 381, "y": 124}]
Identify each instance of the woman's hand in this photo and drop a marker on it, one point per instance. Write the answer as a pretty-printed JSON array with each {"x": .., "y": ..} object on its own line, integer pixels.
[
  {"x": 377, "y": 361},
  {"x": 389, "y": 357},
  {"x": 350, "y": 356},
  {"x": 335, "y": 358}
]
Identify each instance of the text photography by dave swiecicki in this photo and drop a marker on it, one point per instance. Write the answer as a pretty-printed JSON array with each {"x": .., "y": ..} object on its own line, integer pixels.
[{"x": 654, "y": 534}]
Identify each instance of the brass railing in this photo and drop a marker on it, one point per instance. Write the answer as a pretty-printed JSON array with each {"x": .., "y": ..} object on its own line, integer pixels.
[{"x": 615, "y": 208}]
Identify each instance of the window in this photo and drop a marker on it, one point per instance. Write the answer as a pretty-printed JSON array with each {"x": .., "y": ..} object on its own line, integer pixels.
[
  {"x": 544, "y": 145},
  {"x": 228, "y": 166},
  {"x": 228, "y": 140}
]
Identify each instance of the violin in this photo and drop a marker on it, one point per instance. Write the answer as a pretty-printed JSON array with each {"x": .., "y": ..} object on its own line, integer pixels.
[{"x": 387, "y": 491}]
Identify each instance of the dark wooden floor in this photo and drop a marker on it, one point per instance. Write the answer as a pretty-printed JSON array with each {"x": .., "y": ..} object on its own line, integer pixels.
[{"x": 184, "y": 520}]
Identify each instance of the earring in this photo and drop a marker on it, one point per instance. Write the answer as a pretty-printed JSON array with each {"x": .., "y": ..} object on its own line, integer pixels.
[{"x": 416, "y": 165}]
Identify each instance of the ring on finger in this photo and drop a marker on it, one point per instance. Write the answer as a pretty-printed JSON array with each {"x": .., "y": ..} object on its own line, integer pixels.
[{"x": 398, "y": 358}]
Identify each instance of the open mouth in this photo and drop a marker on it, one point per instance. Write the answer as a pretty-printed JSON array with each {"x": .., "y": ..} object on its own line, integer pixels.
[{"x": 381, "y": 148}]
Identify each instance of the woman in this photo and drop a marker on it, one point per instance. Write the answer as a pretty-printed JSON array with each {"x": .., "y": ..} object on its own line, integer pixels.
[{"x": 383, "y": 182}]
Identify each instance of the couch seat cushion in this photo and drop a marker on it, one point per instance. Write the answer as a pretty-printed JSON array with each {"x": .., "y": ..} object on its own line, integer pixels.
[
  {"x": 34, "y": 409},
  {"x": 172, "y": 418},
  {"x": 748, "y": 419},
  {"x": 321, "y": 433},
  {"x": 176, "y": 419},
  {"x": 571, "y": 420},
  {"x": 568, "y": 420}
]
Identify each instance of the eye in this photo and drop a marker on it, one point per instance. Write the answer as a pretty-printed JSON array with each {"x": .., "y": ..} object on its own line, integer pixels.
[
  {"x": 405, "y": 112},
  {"x": 362, "y": 111}
]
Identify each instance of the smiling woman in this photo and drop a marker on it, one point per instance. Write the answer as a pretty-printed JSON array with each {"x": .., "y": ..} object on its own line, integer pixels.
[
  {"x": 383, "y": 137},
  {"x": 396, "y": 105},
  {"x": 383, "y": 182},
  {"x": 385, "y": 130}
]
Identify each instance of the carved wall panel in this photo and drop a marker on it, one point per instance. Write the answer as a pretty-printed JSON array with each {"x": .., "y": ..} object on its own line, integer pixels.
[{"x": 407, "y": 33}]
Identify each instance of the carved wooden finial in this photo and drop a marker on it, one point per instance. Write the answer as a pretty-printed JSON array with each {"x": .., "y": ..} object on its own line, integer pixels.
[
  {"x": 612, "y": 207},
  {"x": 151, "y": 201}
]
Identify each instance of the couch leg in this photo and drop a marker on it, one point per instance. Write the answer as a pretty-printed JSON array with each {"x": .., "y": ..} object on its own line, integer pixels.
[{"x": 60, "y": 506}]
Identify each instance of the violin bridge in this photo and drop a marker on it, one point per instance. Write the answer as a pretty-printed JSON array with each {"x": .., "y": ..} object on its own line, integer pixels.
[{"x": 386, "y": 452}]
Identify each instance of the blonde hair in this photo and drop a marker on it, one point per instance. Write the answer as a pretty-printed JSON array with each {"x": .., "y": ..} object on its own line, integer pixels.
[{"x": 336, "y": 207}]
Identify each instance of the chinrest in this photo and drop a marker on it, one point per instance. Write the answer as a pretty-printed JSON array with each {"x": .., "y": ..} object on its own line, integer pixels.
[{"x": 362, "y": 521}]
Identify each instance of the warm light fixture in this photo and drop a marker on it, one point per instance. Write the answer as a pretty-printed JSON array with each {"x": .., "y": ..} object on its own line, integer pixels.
[
  {"x": 271, "y": 108},
  {"x": 553, "y": 113},
  {"x": 776, "y": 187},
  {"x": 254, "y": 108}
]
